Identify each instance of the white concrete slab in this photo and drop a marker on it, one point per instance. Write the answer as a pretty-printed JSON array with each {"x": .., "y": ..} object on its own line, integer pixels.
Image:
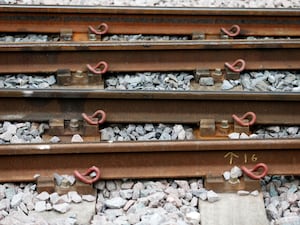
[{"x": 233, "y": 209}]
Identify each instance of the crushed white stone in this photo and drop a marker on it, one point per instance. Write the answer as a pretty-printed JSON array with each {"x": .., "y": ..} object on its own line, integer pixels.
[
  {"x": 212, "y": 196},
  {"x": 43, "y": 196},
  {"x": 76, "y": 138},
  {"x": 62, "y": 208}
]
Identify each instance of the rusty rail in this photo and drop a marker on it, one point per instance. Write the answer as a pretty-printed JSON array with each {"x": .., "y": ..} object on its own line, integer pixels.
[
  {"x": 274, "y": 54},
  {"x": 20, "y": 162},
  {"x": 139, "y": 20},
  {"x": 128, "y": 107},
  {"x": 147, "y": 160}
]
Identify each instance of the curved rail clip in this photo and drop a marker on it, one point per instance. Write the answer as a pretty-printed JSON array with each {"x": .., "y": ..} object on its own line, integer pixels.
[
  {"x": 240, "y": 121},
  {"x": 89, "y": 119},
  {"x": 249, "y": 172},
  {"x": 86, "y": 180},
  {"x": 100, "y": 68},
  {"x": 101, "y": 29},
  {"x": 233, "y": 31},
  {"x": 233, "y": 67}
]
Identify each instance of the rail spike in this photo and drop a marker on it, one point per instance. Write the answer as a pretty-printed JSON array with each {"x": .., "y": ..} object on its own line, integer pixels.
[
  {"x": 90, "y": 170},
  {"x": 100, "y": 68},
  {"x": 89, "y": 119},
  {"x": 249, "y": 172},
  {"x": 233, "y": 67},
  {"x": 240, "y": 121},
  {"x": 101, "y": 29},
  {"x": 233, "y": 31}
]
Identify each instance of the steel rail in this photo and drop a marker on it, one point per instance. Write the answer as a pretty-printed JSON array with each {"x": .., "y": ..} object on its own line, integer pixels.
[
  {"x": 154, "y": 107},
  {"x": 280, "y": 54},
  {"x": 147, "y": 159},
  {"x": 139, "y": 20}
]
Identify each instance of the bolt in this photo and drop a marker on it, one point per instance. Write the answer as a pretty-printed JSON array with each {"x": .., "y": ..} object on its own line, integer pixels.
[
  {"x": 224, "y": 36},
  {"x": 67, "y": 38},
  {"x": 92, "y": 37},
  {"x": 78, "y": 73},
  {"x": 234, "y": 180},
  {"x": 65, "y": 183},
  {"x": 217, "y": 75},
  {"x": 74, "y": 124},
  {"x": 224, "y": 124},
  {"x": 224, "y": 127},
  {"x": 218, "y": 72}
]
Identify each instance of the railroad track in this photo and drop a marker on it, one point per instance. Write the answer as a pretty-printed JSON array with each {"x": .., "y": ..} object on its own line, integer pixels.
[
  {"x": 81, "y": 51},
  {"x": 81, "y": 64}
]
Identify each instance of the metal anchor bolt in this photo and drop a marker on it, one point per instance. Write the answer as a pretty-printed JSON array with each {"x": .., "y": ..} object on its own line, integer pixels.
[
  {"x": 92, "y": 37},
  {"x": 224, "y": 124},
  {"x": 217, "y": 75},
  {"x": 218, "y": 72},
  {"x": 78, "y": 73},
  {"x": 74, "y": 124}
]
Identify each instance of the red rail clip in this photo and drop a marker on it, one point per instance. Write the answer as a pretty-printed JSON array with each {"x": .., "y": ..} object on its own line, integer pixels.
[
  {"x": 101, "y": 29},
  {"x": 89, "y": 119},
  {"x": 233, "y": 31},
  {"x": 240, "y": 121},
  {"x": 233, "y": 68},
  {"x": 249, "y": 172},
  {"x": 86, "y": 180},
  {"x": 100, "y": 68}
]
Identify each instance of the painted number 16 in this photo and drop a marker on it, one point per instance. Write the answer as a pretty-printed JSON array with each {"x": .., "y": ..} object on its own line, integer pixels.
[{"x": 247, "y": 157}]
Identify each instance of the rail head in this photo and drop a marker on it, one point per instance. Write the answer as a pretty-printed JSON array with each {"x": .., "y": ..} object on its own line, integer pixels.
[{"x": 150, "y": 10}]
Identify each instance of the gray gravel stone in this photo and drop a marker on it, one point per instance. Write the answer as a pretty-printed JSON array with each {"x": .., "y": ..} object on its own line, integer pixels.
[
  {"x": 212, "y": 196},
  {"x": 126, "y": 194},
  {"x": 227, "y": 85},
  {"x": 150, "y": 81},
  {"x": 270, "y": 81},
  {"x": 27, "y": 81},
  {"x": 16, "y": 199},
  {"x": 16, "y": 133},
  {"x": 76, "y": 138},
  {"x": 234, "y": 135},
  {"x": 43, "y": 196},
  {"x": 193, "y": 217},
  {"x": 243, "y": 193},
  {"x": 146, "y": 132},
  {"x": 40, "y": 206},
  {"x": 54, "y": 139},
  {"x": 290, "y": 220},
  {"x": 115, "y": 203},
  {"x": 10, "y": 192},
  {"x": 281, "y": 199},
  {"x": 236, "y": 172},
  {"x": 74, "y": 196},
  {"x": 226, "y": 175},
  {"x": 62, "y": 208},
  {"x": 110, "y": 185}
]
